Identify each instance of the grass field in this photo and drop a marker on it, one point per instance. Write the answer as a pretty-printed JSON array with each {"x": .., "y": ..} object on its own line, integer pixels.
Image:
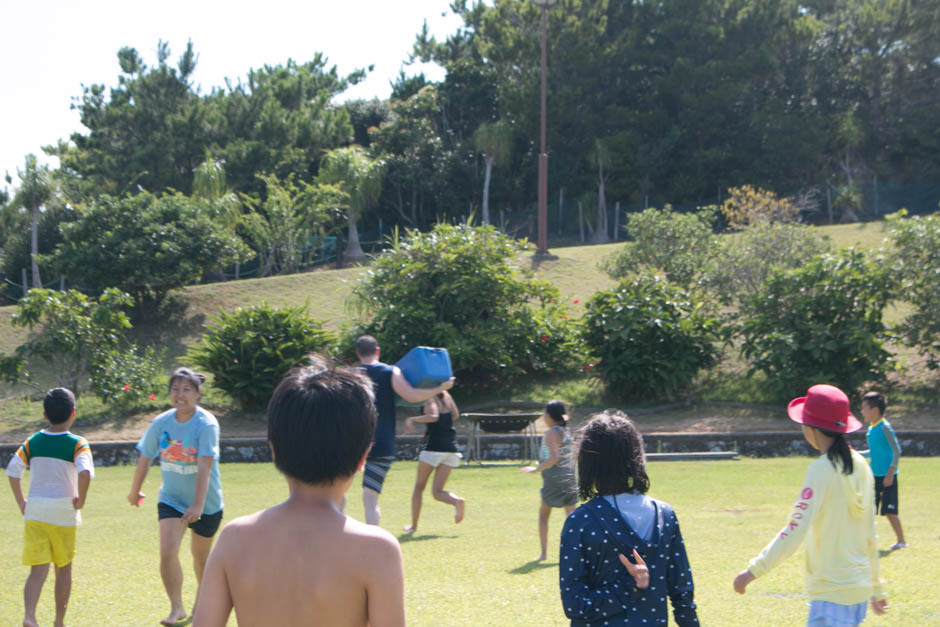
[{"x": 480, "y": 573}]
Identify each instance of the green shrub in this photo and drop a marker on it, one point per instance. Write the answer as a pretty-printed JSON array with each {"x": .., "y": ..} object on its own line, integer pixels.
[
  {"x": 124, "y": 378},
  {"x": 250, "y": 350},
  {"x": 146, "y": 245},
  {"x": 678, "y": 245},
  {"x": 68, "y": 331},
  {"x": 917, "y": 264},
  {"x": 820, "y": 323},
  {"x": 455, "y": 287},
  {"x": 743, "y": 261},
  {"x": 650, "y": 337}
]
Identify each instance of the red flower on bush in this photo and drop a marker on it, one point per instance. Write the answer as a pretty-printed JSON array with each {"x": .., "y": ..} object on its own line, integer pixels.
[
  {"x": 576, "y": 301},
  {"x": 127, "y": 388},
  {"x": 544, "y": 338},
  {"x": 587, "y": 366},
  {"x": 152, "y": 397}
]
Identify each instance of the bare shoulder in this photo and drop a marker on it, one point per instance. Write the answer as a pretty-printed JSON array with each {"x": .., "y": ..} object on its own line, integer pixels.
[
  {"x": 361, "y": 532},
  {"x": 371, "y": 538},
  {"x": 378, "y": 553},
  {"x": 248, "y": 520},
  {"x": 241, "y": 528}
]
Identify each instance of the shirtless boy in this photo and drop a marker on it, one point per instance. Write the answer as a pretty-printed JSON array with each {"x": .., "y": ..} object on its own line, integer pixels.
[{"x": 304, "y": 562}]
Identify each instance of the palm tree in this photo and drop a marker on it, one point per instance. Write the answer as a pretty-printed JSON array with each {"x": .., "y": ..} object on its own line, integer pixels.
[
  {"x": 494, "y": 141},
  {"x": 601, "y": 157},
  {"x": 209, "y": 185},
  {"x": 360, "y": 176},
  {"x": 209, "y": 178},
  {"x": 35, "y": 189}
]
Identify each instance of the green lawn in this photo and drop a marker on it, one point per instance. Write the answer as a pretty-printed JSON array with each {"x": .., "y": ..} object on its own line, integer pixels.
[{"x": 479, "y": 573}]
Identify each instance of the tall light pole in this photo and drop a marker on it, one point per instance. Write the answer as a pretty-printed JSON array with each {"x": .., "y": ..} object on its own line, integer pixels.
[{"x": 542, "y": 249}]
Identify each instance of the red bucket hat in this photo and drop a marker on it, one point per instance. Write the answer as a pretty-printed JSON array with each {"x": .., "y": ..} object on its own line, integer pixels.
[{"x": 825, "y": 407}]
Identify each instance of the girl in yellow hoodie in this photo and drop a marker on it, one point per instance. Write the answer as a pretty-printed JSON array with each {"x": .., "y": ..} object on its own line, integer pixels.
[{"x": 834, "y": 514}]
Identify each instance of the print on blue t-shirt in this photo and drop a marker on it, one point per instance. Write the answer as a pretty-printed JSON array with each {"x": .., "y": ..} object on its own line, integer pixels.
[{"x": 180, "y": 445}]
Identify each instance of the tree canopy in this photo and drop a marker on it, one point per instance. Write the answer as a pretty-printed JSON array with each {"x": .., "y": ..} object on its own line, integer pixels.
[{"x": 649, "y": 103}]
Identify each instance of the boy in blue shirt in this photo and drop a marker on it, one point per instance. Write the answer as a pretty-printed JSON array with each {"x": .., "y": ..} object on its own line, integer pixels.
[{"x": 885, "y": 453}]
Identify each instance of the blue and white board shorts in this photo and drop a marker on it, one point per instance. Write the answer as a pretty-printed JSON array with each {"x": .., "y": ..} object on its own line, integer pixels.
[
  {"x": 373, "y": 476},
  {"x": 826, "y": 614}
]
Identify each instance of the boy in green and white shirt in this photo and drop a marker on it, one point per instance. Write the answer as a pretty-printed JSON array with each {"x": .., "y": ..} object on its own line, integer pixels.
[{"x": 61, "y": 468}]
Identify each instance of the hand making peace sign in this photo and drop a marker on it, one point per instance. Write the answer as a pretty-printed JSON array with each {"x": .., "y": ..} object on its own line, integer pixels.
[{"x": 639, "y": 571}]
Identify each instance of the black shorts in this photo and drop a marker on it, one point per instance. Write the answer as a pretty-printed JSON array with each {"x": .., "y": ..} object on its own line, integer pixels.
[
  {"x": 886, "y": 498},
  {"x": 206, "y": 526}
]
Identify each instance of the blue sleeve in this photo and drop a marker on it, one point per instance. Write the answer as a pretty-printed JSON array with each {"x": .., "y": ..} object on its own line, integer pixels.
[
  {"x": 580, "y": 600},
  {"x": 892, "y": 438},
  {"x": 149, "y": 444},
  {"x": 679, "y": 578},
  {"x": 209, "y": 441}
]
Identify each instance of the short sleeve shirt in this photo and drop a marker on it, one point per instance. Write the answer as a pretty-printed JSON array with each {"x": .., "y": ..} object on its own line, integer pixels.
[
  {"x": 179, "y": 446},
  {"x": 54, "y": 460}
]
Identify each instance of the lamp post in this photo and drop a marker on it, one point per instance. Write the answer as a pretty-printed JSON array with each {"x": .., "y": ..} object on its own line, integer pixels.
[{"x": 542, "y": 249}]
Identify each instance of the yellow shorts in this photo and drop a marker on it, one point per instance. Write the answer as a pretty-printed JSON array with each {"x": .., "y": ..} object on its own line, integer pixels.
[{"x": 44, "y": 542}]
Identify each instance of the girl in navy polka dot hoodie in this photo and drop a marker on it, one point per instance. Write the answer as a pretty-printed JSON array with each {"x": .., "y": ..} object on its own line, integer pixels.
[{"x": 600, "y": 584}]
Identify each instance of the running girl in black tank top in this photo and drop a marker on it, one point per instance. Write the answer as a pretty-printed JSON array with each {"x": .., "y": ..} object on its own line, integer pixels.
[{"x": 439, "y": 455}]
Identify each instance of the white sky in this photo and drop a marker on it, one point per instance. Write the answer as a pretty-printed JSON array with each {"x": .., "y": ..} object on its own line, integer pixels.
[{"x": 49, "y": 48}]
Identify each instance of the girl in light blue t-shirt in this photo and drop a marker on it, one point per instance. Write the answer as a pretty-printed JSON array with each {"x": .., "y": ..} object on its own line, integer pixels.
[{"x": 186, "y": 438}]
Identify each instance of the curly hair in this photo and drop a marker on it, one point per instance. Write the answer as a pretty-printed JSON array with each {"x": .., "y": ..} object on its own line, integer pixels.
[{"x": 609, "y": 450}]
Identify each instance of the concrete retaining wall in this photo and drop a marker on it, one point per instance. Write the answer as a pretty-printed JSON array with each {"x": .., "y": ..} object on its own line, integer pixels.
[
  {"x": 512, "y": 447},
  {"x": 779, "y": 443}
]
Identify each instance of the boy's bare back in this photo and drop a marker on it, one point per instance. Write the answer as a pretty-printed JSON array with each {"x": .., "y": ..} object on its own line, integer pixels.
[{"x": 304, "y": 564}]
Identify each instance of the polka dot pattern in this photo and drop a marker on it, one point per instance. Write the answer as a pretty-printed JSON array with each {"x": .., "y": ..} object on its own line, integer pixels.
[{"x": 595, "y": 587}]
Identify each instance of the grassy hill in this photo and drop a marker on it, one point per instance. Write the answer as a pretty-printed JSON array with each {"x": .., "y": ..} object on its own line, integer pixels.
[{"x": 326, "y": 293}]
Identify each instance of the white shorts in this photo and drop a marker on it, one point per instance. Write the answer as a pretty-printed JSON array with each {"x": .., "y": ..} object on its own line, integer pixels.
[{"x": 436, "y": 458}]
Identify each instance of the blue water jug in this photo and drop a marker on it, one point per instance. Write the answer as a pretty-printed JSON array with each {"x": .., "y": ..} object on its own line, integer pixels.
[{"x": 426, "y": 367}]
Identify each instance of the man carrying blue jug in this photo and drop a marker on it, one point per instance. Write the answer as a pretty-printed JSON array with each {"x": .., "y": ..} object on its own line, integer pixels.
[{"x": 387, "y": 381}]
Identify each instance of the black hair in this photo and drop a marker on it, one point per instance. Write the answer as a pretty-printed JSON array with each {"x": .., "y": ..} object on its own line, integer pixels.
[
  {"x": 366, "y": 346},
  {"x": 839, "y": 451},
  {"x": 876, "y": 399},
  {"x": 321, "y": 420},
  {"x": 609, "y": 450},
  {"x": 557, "y": 411},
  {"x": 58, "y": 405},
  {"x": 191, "y": 377}
]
